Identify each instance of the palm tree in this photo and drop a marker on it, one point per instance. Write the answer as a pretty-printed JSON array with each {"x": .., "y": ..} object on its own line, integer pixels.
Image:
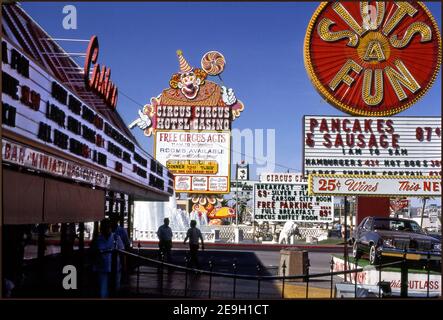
[
  {"x": 242, "y": 205},
  {"x": 424, "y": 199}
]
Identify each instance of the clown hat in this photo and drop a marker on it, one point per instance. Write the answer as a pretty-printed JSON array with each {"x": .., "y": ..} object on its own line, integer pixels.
[{"x": 184, "y": 65}]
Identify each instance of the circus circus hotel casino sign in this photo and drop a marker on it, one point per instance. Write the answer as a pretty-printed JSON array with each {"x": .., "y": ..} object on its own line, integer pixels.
[
  {"x": 191, "y": 121},
  {"x": 372, "y": 58}
]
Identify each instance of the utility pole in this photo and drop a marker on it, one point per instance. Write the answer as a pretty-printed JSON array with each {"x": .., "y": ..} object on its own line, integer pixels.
[{"x": 423, "y": 211}]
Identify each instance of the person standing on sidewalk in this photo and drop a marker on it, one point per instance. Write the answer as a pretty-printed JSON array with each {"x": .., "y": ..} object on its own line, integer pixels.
[
  {"x": 121, "y": 232},
  {"x": 194, "y": 234},
  {"x": 164, "y": 234},
  {"x": 102, "y": 248}
]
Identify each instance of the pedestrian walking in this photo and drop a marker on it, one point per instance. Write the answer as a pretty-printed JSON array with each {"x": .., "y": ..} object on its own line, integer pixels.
[
  {"x": 103, "y": 247},
  {"x": 194, "y": 234},
  {"x": 121, "y": 232},
  {"x": 164, "y": 234}
]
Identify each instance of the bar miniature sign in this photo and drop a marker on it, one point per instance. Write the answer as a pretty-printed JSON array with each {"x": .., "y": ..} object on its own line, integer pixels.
[{"x": 27, "y": 157}]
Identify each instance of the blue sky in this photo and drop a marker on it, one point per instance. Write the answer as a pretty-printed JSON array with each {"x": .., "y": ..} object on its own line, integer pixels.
[{"x": 262, "y": 43}]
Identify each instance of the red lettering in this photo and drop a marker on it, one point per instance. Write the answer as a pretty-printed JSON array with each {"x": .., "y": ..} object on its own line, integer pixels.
[
  {"x": 100, "y": 81},
  {"x": 395, "y": 138},
  {"x": 345, "y": 125},
  {"x": 91, "y": 57},
  {"x": 21, "y": 158},
  {"x": 380, "y": 123},
  {"x": 356, "y": 127},
  {"x": 14, "y": 153},
  {"x": 338, "y": 141},
  {"x": 327, "y": 138},
  {"x": 335, "y": 125},
  {"x": 426, "y": 186},
  {"x": 310, "y": 140},
  {"x": 368, "y": 124},
  {"x": 7, "y": 153},
  {"x": 372, "y": 142},
  {"x": 383, "y": 142},
  {"x": 324, "y": 126},
  {"x": 350, "y": 140},
  {"x": 361, "y": 141},
  {"x": 390, "y": 128}
]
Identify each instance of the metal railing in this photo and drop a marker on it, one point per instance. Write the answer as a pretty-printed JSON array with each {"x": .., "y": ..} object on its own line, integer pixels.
[
  {"x": 259, "y": 277},
  {"x": 227, "y": 233}
]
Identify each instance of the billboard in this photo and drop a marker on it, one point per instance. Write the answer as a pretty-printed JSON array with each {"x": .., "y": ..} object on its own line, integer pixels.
[
  {"x": 396, "y": 146},
  {"x": 374, "y": 186},
  {"x": 200, "y": 161},
  {"x": 282, "y": 177},
  {"x": 37, "y": 107},
  {"x": 290, "y": 202},
  {"x": 191, "y": 121}
]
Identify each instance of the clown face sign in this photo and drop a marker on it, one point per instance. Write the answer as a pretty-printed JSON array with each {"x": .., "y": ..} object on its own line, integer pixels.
[
  {"x": 372, "y": 58},
  {"x": 192, "y": 102}
]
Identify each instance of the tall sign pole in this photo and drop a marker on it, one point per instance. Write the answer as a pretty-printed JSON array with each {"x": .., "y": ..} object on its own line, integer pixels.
[
  {"x": 241, "y": 174},
  {"x": 1, "y": 177},
  {"x": 236, "y": 194},
  {"x": 345, "y": 246}
]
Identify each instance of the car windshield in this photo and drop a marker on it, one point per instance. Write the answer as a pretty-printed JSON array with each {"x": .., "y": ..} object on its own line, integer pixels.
[{"x": 396, "y": 225}]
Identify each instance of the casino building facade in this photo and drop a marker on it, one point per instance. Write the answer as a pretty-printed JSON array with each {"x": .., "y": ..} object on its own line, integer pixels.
[{"x": 67, "y": 156}]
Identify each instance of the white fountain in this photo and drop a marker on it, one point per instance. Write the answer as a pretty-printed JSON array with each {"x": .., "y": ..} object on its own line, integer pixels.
[{"x": 149, "y": 215}]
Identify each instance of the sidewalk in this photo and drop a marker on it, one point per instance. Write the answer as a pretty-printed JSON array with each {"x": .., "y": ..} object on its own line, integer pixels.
[
  {"x": 45, "y": 281},
  {"x": 199, "y": 287}
]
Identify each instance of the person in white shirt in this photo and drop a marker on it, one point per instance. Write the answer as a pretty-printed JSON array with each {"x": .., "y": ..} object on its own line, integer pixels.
[
  {"x": 194, "y": 234},
  {"x": 164, "y": 234}
]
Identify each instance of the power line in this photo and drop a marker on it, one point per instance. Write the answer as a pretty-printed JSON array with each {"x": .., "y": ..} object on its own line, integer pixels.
[{"x": 129, "y": 98}]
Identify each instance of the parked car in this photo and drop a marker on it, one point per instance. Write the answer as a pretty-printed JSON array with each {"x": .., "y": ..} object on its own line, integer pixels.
[
  {"x": 435, "y": 235},
  {"x": 393, "y": 237}
]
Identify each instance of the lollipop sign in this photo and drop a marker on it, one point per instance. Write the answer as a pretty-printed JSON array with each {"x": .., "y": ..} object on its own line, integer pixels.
[
  {"x": 213, "y": 63},
  {"x": 372, "y": 59}
]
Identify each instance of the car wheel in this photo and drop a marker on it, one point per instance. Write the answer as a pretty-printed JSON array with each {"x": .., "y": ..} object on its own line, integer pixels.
[
  {"x": 356, "y": 253},
  {"x": 374, "y": 258}
]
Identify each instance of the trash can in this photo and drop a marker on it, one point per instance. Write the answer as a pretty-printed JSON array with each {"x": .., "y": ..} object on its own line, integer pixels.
[{"x": 296, "y": 261}]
